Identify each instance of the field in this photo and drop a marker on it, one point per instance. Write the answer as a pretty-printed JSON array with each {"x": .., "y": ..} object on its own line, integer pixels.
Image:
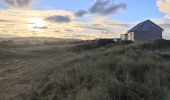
[{"x": 85, "y": 70}]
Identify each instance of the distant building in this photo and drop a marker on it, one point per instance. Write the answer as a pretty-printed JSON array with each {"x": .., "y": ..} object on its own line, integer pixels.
[
  {"x": 146, "y": 30},
  {"x": 124, "y": 37}
]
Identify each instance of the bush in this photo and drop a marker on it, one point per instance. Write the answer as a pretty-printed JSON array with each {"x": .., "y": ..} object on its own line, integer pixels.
[
  {"x": 121, "y": 73},
  {"x": 155, "y": 44},
  {"x": 92, "y": 45}
]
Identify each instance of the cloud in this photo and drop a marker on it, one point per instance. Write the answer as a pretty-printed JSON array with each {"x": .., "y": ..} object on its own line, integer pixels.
[
  {"x": 2, "y": 20},
  {"x": 166, "y": 25},
  {"x": 102, "y": 8},
  {"x": 69, "y": 30},
  {"x": 106, "y": 7},
  {"x": 110, "y": 23},
  {"x": 21, "y": 25},
  {"x": 43, "y": 27},
  {"x": 163, "y": 6},
  {"x": 57, "y": 31},
  {"x": 8, "y": 35},
  {"x": 104, "y": 27},
  {"x": 18, "y": 3},
  {"x": 81, "y": 13},
  {"x": 58, "y": 19},
  {"x": 90, "y": 26}
]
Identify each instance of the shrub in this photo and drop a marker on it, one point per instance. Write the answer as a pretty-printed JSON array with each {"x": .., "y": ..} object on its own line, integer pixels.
[
  {"x": 92, "y": 45},
  {"x": 128, "y": 73}
]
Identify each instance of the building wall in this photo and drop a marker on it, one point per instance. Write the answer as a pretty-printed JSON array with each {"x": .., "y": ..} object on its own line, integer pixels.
[
  {"x": 124, "y": 37},
  {"x": 146, "y": 35},
  {"x": 131, "y": 36}
]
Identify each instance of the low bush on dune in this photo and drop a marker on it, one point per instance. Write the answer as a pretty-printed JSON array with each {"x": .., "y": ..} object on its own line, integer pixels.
[
  {"x": 4, "y": 54},
  {"x": 132, "y": 72},
  {"x": 92, "y": 45},
  {"x": 7, "y": 43},
  {"x": 157, "y": 44}
]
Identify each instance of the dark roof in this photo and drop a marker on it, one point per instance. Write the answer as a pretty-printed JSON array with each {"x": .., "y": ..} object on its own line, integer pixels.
[{"x": 146, "y": 26}]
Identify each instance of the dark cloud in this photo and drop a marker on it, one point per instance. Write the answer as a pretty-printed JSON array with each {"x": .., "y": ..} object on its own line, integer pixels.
[
  {"x": 102, "y": 8},
  {"x": 96, "y": 24},
  {"x": 18, "y": 3},
  {"x": 91, "y": 27},
  {"x": 58, "y": 19},
  {"x": 81, "y": 13},
  {"x": 96, "y": 28},
  {"x": 57, "y": 31},
  {"x": 43, "y": 27},
  {"x": 106, "y": 7},
  {"x": 2, "y": 20}
]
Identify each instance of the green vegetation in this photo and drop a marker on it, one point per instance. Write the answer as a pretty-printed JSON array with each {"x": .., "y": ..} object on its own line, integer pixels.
[{"x": 104, "y": 71}]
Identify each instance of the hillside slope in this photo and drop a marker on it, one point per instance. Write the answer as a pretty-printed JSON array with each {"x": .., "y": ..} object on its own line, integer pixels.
[
  {"x": 88, "y": 70},
  {"x": 139, "y": 71}
]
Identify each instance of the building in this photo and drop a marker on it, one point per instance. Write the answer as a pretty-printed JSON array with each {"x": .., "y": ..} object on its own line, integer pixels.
[
  {"x": 146, "y": 30},
  {"x": 124, "y": 37}
]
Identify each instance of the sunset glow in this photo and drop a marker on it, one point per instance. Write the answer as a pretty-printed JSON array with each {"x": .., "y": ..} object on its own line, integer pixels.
[
  {"x": 52, "y": 19},
  {"x": 37, "y": 22}
]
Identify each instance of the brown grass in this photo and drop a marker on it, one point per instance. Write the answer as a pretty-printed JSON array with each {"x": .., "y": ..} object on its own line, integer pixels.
[{"x": 138, "y": 71}]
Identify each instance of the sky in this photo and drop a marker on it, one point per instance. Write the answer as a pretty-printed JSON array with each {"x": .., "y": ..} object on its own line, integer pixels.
[{"x": 79, "y": 19}]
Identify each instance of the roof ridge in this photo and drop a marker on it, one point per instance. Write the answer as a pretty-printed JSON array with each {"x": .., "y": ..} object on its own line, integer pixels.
[{"x": 148, "y": 26}]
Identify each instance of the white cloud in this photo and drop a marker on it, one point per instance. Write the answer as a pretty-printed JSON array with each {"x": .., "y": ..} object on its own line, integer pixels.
[
  {"x": 26, "y": 23},
  {"x": 164, "y": 7}
]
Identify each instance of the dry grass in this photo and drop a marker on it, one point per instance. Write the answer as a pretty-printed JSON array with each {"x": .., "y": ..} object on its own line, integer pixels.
[{"x": 75, "y": 71}]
